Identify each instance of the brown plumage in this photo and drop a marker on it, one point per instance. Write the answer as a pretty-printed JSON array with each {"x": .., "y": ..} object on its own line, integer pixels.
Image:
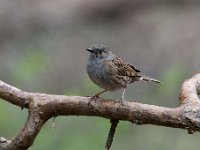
[{"x": 123, "y": 68}]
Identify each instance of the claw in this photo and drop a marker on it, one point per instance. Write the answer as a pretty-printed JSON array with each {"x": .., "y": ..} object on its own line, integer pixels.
[
  {"x": 122, "y": 102},
  {"x": 93, "y": 98}
]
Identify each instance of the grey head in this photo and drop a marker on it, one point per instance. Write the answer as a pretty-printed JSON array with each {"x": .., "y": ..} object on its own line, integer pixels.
[{"x": 99, "y": 51}]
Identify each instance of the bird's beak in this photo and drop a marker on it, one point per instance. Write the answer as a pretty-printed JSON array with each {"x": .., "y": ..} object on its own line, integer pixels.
[{"x": 90, "y": 50}]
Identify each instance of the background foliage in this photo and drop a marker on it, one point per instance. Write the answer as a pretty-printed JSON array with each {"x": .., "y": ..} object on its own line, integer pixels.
[{"x": 42, "y": 49}]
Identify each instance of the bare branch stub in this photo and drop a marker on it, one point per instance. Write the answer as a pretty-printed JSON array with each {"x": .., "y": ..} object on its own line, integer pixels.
[
  {"x": 190, "y": 90},
  {"x": 14, "y": 95},
  {"x": 189, "y": 99},
  {"x": 44, "y": 106}
]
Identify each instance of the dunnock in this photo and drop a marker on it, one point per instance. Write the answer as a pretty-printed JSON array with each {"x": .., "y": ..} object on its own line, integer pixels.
[{"x": 110, "y": 72}]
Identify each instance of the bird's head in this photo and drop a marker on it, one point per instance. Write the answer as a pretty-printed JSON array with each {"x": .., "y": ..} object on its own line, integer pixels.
[{"x": 99, "y": 51}]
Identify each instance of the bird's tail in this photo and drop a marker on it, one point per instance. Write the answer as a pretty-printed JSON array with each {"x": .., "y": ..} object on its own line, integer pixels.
[{"x": 148, "y": 79}]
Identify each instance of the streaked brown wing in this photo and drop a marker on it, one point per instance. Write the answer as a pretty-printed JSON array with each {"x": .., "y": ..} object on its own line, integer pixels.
[
  {"x": 133, "y": 67},
  {"x": 117, "y": 65}
]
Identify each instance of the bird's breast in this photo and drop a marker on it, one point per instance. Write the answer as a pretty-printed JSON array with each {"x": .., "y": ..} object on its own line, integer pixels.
[
  {"x": 102, "y": 77},
  {"x": 97, "y": 74}
]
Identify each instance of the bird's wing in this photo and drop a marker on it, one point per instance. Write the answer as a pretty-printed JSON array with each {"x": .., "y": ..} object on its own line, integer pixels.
[
  {"x": 117, "y": 65},
  {"x": 133, "y": 67}
]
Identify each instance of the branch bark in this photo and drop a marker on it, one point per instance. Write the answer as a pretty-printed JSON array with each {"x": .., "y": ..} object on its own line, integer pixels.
[{"x": 44, "y": 106}]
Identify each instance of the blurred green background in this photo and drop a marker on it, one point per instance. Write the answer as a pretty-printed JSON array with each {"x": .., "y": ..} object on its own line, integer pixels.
[{"x": 42, "y": 49}]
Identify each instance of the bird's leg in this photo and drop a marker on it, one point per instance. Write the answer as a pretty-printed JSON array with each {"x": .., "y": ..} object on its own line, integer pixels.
[
  {"x": 122, "y": 98},
  {"x": 96, "y": 96}
]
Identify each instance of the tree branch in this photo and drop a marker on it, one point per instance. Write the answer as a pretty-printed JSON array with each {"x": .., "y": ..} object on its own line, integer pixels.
[
  {"x": 111, "y": 133},
  {"x": 44, "y": 106}
]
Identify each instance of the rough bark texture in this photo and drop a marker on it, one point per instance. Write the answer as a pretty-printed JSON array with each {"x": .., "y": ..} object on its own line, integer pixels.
[{"x": 44, "y": 106}]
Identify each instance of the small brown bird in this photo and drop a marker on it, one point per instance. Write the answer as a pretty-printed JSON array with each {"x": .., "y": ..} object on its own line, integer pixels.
[{"x": 110, "y": 72}]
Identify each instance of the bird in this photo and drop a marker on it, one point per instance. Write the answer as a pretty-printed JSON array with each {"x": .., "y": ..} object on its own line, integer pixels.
[{"x": 111, "y": 72}]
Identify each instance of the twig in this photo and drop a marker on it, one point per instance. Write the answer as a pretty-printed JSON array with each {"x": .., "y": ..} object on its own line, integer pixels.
[{"x": 111, "y": 133}]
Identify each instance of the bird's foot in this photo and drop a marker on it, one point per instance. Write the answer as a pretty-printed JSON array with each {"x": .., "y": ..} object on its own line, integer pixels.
[
  {"x": 93, "y": 98},
  {"x": 122, "y": 102}
]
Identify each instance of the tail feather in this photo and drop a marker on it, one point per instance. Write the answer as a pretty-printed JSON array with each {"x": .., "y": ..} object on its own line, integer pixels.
[{"x": 148, "y": 79}]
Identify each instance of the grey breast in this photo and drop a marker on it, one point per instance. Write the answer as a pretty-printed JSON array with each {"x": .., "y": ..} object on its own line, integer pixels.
[{"x": 98, "y": 74}]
